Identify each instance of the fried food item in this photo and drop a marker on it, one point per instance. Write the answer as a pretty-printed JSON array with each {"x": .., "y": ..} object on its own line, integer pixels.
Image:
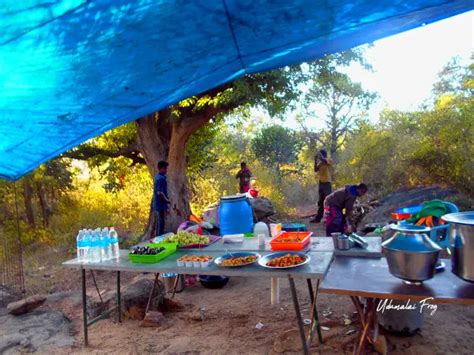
[
  {"x": 237, "y": 261},
  {"x": 285, "y": 261},
  {"x": 290, "y": 239},
  {"x": 195, "y": 258}
]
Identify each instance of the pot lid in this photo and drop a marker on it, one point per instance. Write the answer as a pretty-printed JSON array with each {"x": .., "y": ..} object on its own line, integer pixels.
[
  {"x": 411, "y": 242},
  {"x": 466, "y": 218},
  {"x": 409, "y": 228},
  {"x": 233, "y": 197}
]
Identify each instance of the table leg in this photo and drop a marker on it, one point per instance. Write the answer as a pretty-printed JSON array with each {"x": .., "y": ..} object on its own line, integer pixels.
[
  {"x": 275, "y": 291},
  {"x": 84, "y": 307},
  {"x": 150, "y": 297},
  {"x": 298, "y": 315},
  {"x": 314, "y": 312},
  {"x": 368, "y": 318},
  {"x": 119, "y": 299}
]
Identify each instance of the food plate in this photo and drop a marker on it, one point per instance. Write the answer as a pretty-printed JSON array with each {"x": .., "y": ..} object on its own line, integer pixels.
[
  {"x": 264, "y": 260},
  {"x": 229, "y": 256}
]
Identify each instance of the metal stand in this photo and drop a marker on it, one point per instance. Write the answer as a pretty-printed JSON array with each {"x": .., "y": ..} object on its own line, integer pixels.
[
  {"x": 87, "y": 323},
  {"x": 306, "y": 339},
  {"x": 369, "y": 323}
]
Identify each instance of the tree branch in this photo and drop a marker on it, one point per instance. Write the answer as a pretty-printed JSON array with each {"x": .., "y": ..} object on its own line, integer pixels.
[{"x": 85, "y": 151}]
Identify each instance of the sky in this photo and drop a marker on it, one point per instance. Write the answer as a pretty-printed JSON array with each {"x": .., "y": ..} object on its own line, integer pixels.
[{"x": 407, "y": 65}]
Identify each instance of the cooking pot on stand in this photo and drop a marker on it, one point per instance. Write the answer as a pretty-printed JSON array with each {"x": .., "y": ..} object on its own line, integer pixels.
[
  {"x": 411, "y": 255},
  {"x": 461, "y": 241}
]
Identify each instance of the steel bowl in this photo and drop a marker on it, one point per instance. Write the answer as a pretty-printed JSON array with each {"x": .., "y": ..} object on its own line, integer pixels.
[{"x": 411, "y": 255}]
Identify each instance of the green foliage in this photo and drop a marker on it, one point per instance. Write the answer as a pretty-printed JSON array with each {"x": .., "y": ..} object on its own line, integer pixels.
[
  {"x": 275, "y": 146},
  {"x": 433, "y": 146}
]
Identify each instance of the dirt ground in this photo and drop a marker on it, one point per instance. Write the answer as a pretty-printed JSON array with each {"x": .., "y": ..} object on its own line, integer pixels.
[
  {"x": 230, "y": 318},
  {"x": 231, "y": 315}
]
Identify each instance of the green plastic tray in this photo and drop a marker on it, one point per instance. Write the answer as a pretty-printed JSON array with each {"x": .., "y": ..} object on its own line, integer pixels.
[{"x": 170, "y": 248}]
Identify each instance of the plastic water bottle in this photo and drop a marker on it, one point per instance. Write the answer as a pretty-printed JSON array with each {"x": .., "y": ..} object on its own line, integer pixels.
[
  {"x": 86, "y": 242},
  {"x": 107, "y": 244},
  {"x": 80, "y": 246},
  {"x": 95, "y": 247},
  {"x": 114, "y": 239},
  {"x": 103, "y": 245}
]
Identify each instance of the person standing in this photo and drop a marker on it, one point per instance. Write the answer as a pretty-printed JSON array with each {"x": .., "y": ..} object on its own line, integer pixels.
[
  {"x": 160, "y": 197},
  {"x": 322, "y": 167},
  {"x": 244, "y": 176},
  {"x": 339, "y": 206}
]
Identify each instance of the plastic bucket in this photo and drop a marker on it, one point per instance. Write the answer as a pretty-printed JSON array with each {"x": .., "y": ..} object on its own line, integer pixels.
[{"x": 235, "y": 215}]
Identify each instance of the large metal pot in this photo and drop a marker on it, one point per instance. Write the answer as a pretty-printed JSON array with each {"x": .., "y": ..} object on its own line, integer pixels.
[
  {"x": 411, "y": 255},
  {"x": 461, "y": 240}
]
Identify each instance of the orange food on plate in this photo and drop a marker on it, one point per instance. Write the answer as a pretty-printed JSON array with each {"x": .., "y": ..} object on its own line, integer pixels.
[
  {"x": 287, "y": 260},
  {"x": 237, "y": 261}
]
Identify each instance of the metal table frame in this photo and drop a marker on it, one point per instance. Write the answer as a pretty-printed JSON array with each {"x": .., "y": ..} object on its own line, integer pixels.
[
  {"x": 87, "y": 323},
  {"x": 371, "y": 280},
  {"x": 306, "y": 336}
]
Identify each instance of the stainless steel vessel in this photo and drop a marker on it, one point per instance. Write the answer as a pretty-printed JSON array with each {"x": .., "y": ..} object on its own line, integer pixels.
[
  {"x": 411, "y": 255},
  {"x": 461, "y": 235}
]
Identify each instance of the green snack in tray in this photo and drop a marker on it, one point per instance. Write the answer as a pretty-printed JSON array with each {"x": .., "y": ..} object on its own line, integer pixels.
[{"x": 186, "y": 238}]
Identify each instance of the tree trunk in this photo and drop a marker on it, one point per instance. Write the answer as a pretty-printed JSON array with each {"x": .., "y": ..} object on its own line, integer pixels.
[
  {"x": 153, "y": 144},
  {"x": 161, "y": 137},
  {"x": 28, "y": 198},
  {"x": 178, "y": 188},
  {"x": 45, "y": 208},
  {"x": 333, "y": 145}
]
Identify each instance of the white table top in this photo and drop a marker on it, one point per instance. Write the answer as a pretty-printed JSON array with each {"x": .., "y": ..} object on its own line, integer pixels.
[{"x": 315, "y": 269}]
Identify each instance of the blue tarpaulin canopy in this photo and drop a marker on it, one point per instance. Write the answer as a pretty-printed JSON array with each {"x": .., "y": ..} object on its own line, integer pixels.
[{"x": 73, "y": 69}]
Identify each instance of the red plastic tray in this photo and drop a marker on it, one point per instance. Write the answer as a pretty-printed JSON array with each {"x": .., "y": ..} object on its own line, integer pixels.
[{"x": 303, "y": 240}]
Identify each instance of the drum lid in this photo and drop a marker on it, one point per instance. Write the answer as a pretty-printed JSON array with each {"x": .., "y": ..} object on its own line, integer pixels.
[{"x": 233, "y": 198}]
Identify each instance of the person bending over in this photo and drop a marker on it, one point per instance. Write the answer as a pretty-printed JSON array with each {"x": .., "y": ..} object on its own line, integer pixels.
[{"x": 338, "y": 206}]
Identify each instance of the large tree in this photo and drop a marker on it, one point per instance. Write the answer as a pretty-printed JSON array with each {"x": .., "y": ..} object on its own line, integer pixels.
[
  {"x": 335, "y": 99},
  {"x": 164, "y": 135}
]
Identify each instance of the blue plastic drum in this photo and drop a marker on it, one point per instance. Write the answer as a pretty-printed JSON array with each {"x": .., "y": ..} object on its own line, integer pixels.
[{"x": 235, "y": 215}]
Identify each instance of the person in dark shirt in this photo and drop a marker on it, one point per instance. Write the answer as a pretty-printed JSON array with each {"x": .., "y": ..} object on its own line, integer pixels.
[
  {"x": 160, "y": 197},
  {"x": 339, "y": 206},
  {"x": 244, "y": 176}
]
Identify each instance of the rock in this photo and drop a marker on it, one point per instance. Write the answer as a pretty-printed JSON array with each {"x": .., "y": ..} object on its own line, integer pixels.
[
  {"x": 153, "y": 319},
  {"x": 135, "y": 297},
  {"x": 34, "y": 332},
  {"x": 262, "y": 207},
  {"x": 406, "y": 197},
  {"x": 25, "y": 305}
]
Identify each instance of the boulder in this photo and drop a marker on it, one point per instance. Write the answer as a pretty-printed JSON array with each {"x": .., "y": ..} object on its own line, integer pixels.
[
  {"x": 262, "y": 207},
  {"x": 34, "y": 332},
  {"x": 25, "y": 305},
  {"x": 135, "y": 296}
]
